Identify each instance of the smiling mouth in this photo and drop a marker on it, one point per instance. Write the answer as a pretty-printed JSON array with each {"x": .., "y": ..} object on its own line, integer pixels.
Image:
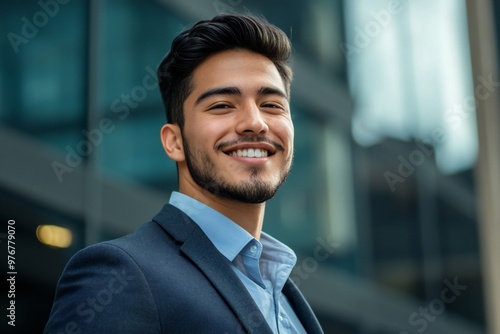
[
  {"x": 250, "y": 147},
  {"x": 250, "y": 153}
]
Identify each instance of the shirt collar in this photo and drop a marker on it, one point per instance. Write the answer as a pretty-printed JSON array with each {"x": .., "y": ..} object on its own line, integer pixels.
[
  {"x": 215, "y": 225},
  {"x": 218, "y": 227},
  {"x": 277, "y": 251}
]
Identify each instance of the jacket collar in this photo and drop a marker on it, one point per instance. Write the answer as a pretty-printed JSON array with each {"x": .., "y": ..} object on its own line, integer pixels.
[
  {"x": 196, "y": 245},
  {"x": 302, "y": 308}
]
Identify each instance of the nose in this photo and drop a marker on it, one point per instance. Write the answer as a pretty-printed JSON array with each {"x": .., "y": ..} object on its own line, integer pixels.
[{"x": 251, "y": 121}]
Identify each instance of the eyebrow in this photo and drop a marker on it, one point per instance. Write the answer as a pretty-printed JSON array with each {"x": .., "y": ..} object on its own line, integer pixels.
[
  {"x": 272, "y": 91},
  {"x": 237, "y": 91},
  {"x": 218, "y": 91}
]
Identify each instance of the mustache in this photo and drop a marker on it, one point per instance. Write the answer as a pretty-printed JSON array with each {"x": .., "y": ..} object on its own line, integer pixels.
[{"x": 246, "y": 140}]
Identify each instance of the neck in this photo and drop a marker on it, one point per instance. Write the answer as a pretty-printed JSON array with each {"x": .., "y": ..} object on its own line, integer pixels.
[{"x": 250, "y": 217}]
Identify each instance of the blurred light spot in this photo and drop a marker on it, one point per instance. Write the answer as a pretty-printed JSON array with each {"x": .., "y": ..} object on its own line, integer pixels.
[{"x": 55, "y": 236}]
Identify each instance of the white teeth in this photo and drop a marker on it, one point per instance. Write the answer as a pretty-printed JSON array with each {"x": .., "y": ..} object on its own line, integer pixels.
[{"x": 250, "y": 153}]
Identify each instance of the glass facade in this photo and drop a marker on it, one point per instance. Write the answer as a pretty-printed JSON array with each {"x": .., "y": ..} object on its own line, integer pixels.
[{"x": 383, "y": 179}]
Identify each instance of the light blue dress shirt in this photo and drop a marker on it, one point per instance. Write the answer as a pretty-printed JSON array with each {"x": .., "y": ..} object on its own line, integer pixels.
[{"x": 263, "y": 266}]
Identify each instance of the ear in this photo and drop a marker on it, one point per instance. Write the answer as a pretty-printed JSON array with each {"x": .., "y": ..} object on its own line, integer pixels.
[{"x": 171, "y": 140}]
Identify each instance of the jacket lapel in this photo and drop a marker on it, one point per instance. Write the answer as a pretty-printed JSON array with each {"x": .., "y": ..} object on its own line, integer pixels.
[
  {"x": 302, "y": 308},
  {"x": 196, "y": 245}
]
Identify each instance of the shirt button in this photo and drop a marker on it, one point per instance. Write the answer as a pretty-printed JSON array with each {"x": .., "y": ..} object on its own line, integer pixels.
[{"x": 253, "y": 249}]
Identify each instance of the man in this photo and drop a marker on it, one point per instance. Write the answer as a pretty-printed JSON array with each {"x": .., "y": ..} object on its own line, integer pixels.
[{"x": 203, "y": 265}]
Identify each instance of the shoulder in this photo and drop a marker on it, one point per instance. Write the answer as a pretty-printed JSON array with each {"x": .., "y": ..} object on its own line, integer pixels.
[
  {"x": 129, "y": 248},
  {"x": 99, "y": 283},
  {"x": 142, "y": 251}
]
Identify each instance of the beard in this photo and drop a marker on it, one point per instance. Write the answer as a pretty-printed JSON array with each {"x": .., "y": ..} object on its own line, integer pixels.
[{"x": 205, "y": 174}]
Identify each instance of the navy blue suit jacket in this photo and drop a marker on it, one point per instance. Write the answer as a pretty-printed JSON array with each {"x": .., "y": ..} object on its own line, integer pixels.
[{"x": 166, "y": 277}]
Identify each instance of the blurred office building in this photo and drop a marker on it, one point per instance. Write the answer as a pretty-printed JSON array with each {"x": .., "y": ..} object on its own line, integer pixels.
[{"x": 392, "y": 205}]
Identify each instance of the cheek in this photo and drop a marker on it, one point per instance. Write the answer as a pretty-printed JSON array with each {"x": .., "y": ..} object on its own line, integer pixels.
[
  {"x": 285, "y": 131},
  {"x": 291, "y": 130},
  {"x": 207, "y": 132}
]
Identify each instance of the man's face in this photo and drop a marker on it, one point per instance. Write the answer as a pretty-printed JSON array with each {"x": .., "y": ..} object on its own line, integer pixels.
[{"x": 238, "y": 132}]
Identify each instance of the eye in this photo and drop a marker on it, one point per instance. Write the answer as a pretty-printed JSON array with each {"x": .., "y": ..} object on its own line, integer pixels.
[
  {"x": 270, "y": 105},
  {"x": 273, "y": 106},
  {"x": 220, "y": 106}
]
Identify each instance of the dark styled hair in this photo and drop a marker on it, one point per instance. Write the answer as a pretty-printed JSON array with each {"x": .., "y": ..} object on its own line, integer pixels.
[{"x": 224, "y": 32}]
